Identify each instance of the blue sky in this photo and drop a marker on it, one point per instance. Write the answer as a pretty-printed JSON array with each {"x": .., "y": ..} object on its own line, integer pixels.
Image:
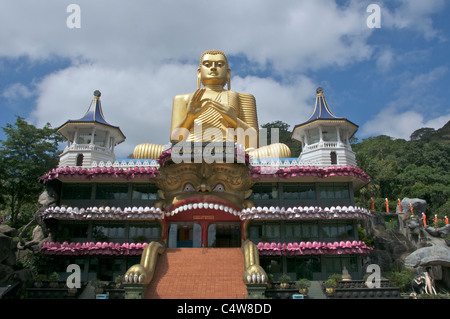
[{"x": 390, "y": 80}]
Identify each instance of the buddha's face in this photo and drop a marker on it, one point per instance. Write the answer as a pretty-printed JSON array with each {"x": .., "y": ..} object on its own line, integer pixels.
[{"x": 214, "y": 70}]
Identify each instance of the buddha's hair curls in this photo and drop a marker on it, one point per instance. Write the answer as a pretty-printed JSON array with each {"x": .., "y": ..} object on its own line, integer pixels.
[{"x": 213, "y": 52}]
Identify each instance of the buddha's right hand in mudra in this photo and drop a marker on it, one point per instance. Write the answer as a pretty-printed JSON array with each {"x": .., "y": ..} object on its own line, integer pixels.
[{"x": 197, "y": 105}]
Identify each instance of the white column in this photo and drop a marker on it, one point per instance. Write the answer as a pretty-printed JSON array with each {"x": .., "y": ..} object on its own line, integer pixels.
[
  {"x": 338, "y": 136},
  {"x": 93, "y": 135},
  {"x": 75, "y": 137},
  {"x": 107, "y": 144}
]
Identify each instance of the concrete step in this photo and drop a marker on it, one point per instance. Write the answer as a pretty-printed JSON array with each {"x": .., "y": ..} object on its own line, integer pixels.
[
  {"x": 196, "y": 273},
  {"x": 315, "y": 291}
]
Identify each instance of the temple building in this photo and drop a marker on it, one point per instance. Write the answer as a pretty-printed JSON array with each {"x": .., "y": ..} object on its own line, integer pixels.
[
  {"x": 90, "y": 138},
  {"x": 326, "y": 138},
  {"x": 129, "y": 217}
]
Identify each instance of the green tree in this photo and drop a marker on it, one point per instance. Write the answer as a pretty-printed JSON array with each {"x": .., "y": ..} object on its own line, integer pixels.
[
  {"x": 444, "y": 209},
  {"x": 399, "y": 168},
  {"x": 284, "y": 136},
  {"x": 379, "y": 157},
  {"x": 423, "y": 134},
  {"x": 26, "y": 154}
]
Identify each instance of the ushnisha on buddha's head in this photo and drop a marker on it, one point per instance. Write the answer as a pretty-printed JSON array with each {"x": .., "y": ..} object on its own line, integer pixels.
[{"x": 213, "y": 70}]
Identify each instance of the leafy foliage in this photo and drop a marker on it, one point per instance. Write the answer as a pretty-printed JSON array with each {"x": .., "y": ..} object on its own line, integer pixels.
[
  {"x": 419, "y": 168},
  {"x": 26, "y": 154},
  {"x": 284, "y": 136},
  {"x": 401, "y": 279}
]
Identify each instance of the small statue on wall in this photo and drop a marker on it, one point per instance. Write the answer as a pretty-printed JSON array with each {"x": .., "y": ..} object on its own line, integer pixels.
[{"x": 40, "y": 232}]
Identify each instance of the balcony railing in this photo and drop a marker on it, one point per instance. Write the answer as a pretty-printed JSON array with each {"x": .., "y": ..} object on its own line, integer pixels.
[
  {"x": 330, "y": 145},
  {"x": 88, "y": 147}
]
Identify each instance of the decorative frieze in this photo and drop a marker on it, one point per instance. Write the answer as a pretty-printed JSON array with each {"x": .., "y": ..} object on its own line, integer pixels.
[
  {"x": 91, "y": 213},
  {"x": 145, "y": 169},
  {"x": 295, "y": 213},
  {"x": 254, "y": 213},
  {"x": 313, "y": 248},
  {"x": 100, "y": 172},
  {"x": 91, "y": 248}
]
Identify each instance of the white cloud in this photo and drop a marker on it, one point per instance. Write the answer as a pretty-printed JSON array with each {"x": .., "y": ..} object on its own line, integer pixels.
[
  {"x": 417, "y": 91},
  {"x": 415, "y": 15},
  {"x": 413, "y": 107},
  {"x": 292, "y": 103},
  {"x": 437, "y": 122},
  {"x": 400, "y": 125},
  {"x": 17, "y": 91},
  {"x": 385, "y": 59},
  {"x": 150, "y": 32},
  {"x": 137, "y": 100}
]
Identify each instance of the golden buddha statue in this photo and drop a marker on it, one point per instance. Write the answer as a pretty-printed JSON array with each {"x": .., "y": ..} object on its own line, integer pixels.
[{"x": 215, "y": 114}]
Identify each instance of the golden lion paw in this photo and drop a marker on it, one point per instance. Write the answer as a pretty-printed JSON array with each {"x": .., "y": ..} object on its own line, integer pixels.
[
  {"x": 136, "y": 274},
  {"x": 255, "y": 274}
]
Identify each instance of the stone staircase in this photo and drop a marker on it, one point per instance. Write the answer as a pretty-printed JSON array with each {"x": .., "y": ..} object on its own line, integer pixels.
[
  {"x": 197, "y": 273},
  {"x": 315, "y": 291}
]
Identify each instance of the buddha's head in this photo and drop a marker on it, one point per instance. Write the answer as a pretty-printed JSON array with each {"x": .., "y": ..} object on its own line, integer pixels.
[{"x": 213, "y": 69}]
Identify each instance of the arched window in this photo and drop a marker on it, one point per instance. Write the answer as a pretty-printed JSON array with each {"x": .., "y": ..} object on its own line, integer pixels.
[
  {"x": 333, "y": 158},
  {"x": 80, "y": 159}
]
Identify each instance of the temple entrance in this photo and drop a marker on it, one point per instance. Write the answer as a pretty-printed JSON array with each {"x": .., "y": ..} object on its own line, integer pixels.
[
  {"x": 185, "y": 234},
  {"x": 204, "y": 234},
  {"x": 224, "y": 235}
]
